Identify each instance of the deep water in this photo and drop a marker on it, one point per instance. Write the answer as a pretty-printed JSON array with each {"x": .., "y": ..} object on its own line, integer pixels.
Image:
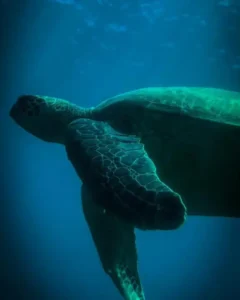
[{"x": 86, "y": 51}]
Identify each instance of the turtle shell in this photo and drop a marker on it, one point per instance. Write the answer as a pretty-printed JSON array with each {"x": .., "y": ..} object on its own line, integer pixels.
[{"x": 193, "y": 137}]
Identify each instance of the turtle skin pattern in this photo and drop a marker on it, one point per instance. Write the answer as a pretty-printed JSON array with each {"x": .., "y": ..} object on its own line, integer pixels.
[{"x": 123, "y": 177}]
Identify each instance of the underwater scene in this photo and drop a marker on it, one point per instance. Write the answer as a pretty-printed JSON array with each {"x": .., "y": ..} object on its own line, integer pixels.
[{"x": 120, "y": 149}]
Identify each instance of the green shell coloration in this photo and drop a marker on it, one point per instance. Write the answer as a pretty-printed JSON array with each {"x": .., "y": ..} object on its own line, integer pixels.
[
  {"x": 123, "y": 177},
  {"x": 193, "y": 137},
  {"x": 210, "y": 104}
]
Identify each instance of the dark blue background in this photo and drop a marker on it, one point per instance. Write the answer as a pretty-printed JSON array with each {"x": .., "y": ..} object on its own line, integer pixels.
[{"x": 85, "y": 51}]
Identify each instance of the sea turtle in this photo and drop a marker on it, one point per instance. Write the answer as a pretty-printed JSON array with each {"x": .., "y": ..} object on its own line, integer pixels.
[{"x": 145, "y": 157}]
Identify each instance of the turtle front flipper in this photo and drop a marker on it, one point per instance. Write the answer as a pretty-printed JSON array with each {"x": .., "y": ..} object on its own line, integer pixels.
[
  {"x": 115, "y": 243},
  {"x": 122, "y": 176}
]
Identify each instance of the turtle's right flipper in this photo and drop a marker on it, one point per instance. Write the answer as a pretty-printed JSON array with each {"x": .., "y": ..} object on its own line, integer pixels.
[
  {"x": 117, "y": 167},
  {"x": 115, "y": 243}
]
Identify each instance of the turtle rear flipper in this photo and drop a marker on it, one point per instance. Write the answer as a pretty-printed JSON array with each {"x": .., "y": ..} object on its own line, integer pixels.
[
  {"x": 115, "y": 243},
  {"x": 123, "y": 178}
]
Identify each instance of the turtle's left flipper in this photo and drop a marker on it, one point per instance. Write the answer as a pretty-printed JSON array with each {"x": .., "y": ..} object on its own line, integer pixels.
[
  {"x": 122, "y": 176},
  {"x": 115, "y": 243}
]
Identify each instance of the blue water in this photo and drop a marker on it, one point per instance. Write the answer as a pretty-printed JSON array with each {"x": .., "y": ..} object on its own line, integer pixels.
[{"x": 86, "y": 51}]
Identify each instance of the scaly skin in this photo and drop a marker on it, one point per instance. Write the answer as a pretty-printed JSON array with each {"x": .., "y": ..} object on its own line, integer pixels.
[
  {"x": 119, "y": 171},
  {"x": 45, "y": 117}
]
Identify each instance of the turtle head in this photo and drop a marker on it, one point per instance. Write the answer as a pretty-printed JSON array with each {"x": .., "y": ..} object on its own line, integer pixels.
[{"x": 45, "y": 117}]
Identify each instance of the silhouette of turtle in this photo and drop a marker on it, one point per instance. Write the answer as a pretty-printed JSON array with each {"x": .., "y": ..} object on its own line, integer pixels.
[{"x": 145, "y": 158}]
